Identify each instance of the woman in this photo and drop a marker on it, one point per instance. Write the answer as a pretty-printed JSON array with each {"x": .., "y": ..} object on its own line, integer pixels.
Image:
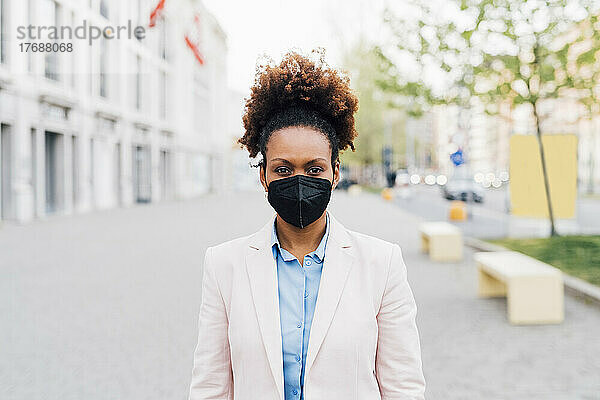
[{"x": 304, "y": 308}]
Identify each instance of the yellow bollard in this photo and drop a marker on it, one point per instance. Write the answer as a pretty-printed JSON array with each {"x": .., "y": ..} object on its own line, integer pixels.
[
  {"x": 458, "y": 211},
  {"x": 387, "y": 194}
]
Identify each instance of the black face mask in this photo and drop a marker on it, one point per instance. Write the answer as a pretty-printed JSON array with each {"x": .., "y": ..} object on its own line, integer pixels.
[{"x": 300, "y": 199}]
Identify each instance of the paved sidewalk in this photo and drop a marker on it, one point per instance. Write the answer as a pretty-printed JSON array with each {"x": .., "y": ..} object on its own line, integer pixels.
[
  {"x": 469, "y": 349},
  {"x": 104, "y": 306}
]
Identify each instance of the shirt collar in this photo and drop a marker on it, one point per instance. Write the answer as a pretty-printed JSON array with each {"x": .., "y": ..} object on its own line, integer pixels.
[{"x": 319, "y": 253}]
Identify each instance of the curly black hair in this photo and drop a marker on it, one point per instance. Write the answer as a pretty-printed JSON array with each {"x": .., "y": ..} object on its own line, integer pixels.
[{"x": 299, "y": 91}]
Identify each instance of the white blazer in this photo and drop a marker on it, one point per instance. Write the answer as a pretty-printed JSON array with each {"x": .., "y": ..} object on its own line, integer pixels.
[{"x": 363, "y": 343}]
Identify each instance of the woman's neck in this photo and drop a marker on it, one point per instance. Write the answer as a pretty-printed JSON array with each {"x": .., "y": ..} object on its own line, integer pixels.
[{"x": 301, "y": 241}]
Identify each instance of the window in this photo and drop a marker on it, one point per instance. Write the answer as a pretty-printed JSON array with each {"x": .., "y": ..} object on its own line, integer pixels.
[
  {"x": 163, "y": 95},
  {"x": 103, "y": 65},
  {"x": 72, "y": 56},
  {"x": 201, "y": 100},
  {"x": 75, "y": 169},
  {"x": 104, "y": 9},
  {"x": 92, "y": 171},
  {"x": 90, "y": 69},
  {"x": 138, "y": 83},
  {"x": 3, "y": 30},
  {"x": 139, "y": 16},
  {"x": 201, "y": 111},
  {"x": 30, "y": 20},
  {"x": 162, "y": 40},
  {"x": 51, "y": 11}
]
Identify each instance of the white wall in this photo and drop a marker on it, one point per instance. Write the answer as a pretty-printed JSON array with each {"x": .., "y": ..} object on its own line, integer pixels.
[{"x": 73, "y": 107}]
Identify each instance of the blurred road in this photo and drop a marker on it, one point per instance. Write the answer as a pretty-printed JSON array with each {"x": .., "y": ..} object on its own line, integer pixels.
[
  {"x": 104, "y": 306},
  {"x": 489, "y": 219}
]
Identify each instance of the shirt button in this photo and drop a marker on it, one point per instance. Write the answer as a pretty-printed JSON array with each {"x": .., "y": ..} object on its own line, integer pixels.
[
  {"x": 294, "y": 392},
  {"x": 298, "y": 358},
  {"x": 307, "y": 263},
  {"x": 299, "y": 326},
  {"x": 305, "y": 294}
]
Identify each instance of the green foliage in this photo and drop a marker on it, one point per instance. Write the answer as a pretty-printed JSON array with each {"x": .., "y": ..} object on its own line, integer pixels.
[
  {"x": 587, "y": 57},
  {"x": 497, "y": 50},
  {"x": 584, "y": 73},
  {"x": 375, "y": 107},
  {"x": 576, "y": 255}
]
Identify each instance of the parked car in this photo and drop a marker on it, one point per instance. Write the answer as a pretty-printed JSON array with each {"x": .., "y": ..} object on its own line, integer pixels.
[{"x": 463, "y": 189}]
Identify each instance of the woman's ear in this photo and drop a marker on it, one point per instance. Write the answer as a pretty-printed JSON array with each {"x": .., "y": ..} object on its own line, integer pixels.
[
  {"x": 262, "y": 172},
  {"x": 336, "y": 174}
]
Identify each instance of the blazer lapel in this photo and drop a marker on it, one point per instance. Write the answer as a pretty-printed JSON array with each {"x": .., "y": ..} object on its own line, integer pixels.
[
  {"x": 262, "y": 273},
  {"x": 338, "y": 262}
]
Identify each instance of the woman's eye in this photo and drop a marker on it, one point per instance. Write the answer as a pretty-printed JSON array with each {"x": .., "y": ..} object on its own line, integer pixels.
[
  {"x": 315, "y": 170},
  {"x": 281, "y": 170}
]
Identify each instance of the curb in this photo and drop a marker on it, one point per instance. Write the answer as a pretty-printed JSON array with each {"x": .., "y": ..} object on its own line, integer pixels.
[{"x": 576, "y": 287}]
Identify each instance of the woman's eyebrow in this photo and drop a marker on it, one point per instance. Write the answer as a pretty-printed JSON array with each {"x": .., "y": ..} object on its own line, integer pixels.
[
  {"x": 283, "y": 160},
  {"x": 315, "y": 160}
]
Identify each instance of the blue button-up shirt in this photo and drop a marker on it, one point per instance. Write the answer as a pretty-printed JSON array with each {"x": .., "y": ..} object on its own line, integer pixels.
[{"x": 298, "y": 287}]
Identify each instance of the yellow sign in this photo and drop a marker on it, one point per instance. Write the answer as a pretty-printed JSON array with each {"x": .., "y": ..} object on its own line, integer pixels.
[{"x": 527, "y": 192}]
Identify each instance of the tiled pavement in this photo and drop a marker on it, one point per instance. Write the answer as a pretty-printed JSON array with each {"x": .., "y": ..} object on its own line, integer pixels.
[{"x": 104, "y": 306}]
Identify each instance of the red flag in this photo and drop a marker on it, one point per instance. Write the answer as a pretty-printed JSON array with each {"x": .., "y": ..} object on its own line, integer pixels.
[
  {"x": 156, "y": 13},
  {"x": 192, "y": 39}
]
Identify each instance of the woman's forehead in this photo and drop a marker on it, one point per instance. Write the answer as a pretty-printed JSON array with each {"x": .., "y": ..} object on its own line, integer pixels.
[{"x": 298, "y": 142}]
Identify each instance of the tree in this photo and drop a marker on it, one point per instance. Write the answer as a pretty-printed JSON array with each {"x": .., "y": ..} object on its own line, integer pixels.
[
  {"x": 500, "y": 51},
  {"x": 584, "y": 70},
  {"x": 374, "y": 115},
  {"x": 426, "y": 46}
]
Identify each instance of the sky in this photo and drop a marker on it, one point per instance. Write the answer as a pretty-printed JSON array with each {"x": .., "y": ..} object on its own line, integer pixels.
[{"x": 273, "y": 27}]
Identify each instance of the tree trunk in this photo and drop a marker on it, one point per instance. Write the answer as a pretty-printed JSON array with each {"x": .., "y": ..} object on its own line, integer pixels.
[{"x": 544, "y": 171}]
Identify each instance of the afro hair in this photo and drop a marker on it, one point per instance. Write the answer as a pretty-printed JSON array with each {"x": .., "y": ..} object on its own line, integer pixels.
[{"x": 299, "y": 91}]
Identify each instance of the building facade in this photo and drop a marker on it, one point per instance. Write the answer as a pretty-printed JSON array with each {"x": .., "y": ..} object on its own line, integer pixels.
[{"x": 117, "y": 120}]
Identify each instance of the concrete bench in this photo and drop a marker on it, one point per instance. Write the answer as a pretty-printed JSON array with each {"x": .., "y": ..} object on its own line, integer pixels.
[
  {"x": 443, "y": 241},
  {"x": 533, "y": 289}
]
